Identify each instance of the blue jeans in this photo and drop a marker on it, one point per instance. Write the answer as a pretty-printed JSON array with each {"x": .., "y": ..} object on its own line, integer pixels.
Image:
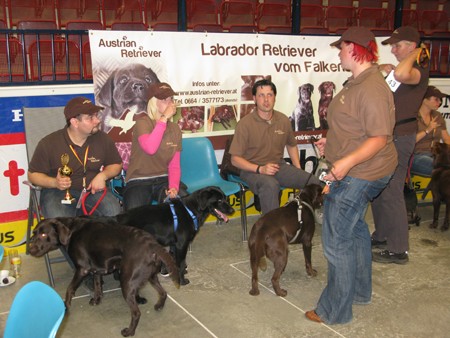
[
  {"x": 52, "y": 207},
  {"x": 347, "y": 248},
  {"x": 422, "y": 164}
]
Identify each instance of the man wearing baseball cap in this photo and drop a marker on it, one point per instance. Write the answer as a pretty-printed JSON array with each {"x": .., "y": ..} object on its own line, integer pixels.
[
  {"x": 431, "y": 129},
  {"x": 92, "y": 157},
  {"x": 359, "y": 145},
  {"x": 389, "y": 212}
]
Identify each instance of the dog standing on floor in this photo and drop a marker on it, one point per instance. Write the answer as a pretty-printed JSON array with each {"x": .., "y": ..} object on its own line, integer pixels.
[
  {"x": 271, "y": 235},
  {"x": 102, "y": 247},
  {"x": 440, "y": 183},
  {"x": 176, "y": 223}
]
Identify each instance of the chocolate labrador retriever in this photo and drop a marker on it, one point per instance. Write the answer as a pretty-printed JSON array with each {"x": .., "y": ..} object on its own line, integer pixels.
[
  {"x": 271, "y": 235},
  {"x": 176, "y": 223},
  {"x": 440, "y": 183},
  {"x": 101, "y": 247}
]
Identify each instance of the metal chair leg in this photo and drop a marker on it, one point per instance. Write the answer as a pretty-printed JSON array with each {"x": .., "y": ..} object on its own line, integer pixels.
[{"x": 243, "y": 213}]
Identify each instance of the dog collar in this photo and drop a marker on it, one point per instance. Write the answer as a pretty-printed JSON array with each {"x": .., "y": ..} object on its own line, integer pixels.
[{"x": 175, "y": 217}]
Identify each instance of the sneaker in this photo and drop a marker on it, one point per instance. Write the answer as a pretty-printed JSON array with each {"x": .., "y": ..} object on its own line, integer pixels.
[
  {"x": 387, "y": 256},
  {"x": 164, "y": 271},
  {"x": 378, "y": 244}
]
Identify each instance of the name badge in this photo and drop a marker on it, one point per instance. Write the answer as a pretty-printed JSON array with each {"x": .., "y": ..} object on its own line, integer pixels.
[{"x": 392, "y": 82}]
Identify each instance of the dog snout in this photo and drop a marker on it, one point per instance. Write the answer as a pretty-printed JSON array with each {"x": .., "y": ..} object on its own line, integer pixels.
[{"x": 138, "y": 87}]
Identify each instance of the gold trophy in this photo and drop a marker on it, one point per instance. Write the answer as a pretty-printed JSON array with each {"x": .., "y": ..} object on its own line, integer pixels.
[{"x": 65, "y": 170}]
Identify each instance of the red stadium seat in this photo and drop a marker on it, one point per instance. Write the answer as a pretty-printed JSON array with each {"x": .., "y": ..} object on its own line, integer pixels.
[
  {"x": 15, "y": 58},
  {"x": 202, "y": 12},
  {"x": 312, "y": 16},
  {"x": 121, "y": 11},
  {"x": 77, "y": 10},
  {"x": 340, "y": 17},
  {"x": 82, "y": 25},
  {"x": 272, "y": 14},
  {"x": 374, "y": 18},
  {"x": 237, "y": 13},
  {"x": 129, "y": 26}
]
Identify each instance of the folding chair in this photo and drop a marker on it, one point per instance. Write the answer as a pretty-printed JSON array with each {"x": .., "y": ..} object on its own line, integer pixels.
[{"x": 40, "y": 122}]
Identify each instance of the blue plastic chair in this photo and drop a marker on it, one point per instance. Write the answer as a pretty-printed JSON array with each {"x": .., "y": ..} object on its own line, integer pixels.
[
  {"x": 2, "y": 251},
  {"x": 37, "y": 311},
  {"x": 199, "y": 169}
]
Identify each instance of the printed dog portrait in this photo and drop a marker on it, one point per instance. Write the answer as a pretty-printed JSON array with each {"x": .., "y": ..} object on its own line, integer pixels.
[
  {"x": 249, "y": 81},
  {"x": 326, "y": 90},
  {"x": 223, "y": 115},
  {"x": 124, "y": 94},
  {"x": 192, "y": 119},
  {"x": 302, "y": 117}
]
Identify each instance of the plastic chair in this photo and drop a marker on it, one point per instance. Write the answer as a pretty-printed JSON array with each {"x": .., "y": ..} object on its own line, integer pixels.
[
  {"x": 37, "y": 311},
  {"x": 199, "y": 169},
  {"x": 54, "y": 60},
  {"x": 128, "y": 26},
  {"x": 40, "y": 122},
  {"x": 77, "y": 10},
  {"x": 11, "y": 50},
  {"x": 237, "y": 13},
  {"x": 20, "y": 10},
  {"x": 339, "y": 17},
  {"x": 272, "y": 14},
  {"x": 374, "y": 18},
  {"x": 433, "y": 21},
  {"x": 208, "y": 28},
  {"x": 312, "y": 16},
  {"x": 201, "y": 12},
  {"x": 78, "y": 25},
  {"x": 121, "y": 11}
]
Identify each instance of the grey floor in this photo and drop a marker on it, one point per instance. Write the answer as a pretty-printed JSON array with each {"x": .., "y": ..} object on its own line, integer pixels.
[{"x": 412, "y": 300}]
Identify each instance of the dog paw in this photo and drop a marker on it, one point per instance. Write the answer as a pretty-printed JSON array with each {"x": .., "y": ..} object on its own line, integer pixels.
[
  {"x": 254, "y": 292},
  {"x": 281, "y": 292},
  {"x": 127, "y": 332},
  {"x": 141, "y": 300},
  {"x": 95, "y": 301},
  {"x": 311, "y": 272},
  {"x": 444, "y": 227},
  {"x": 434, "y": 225}
]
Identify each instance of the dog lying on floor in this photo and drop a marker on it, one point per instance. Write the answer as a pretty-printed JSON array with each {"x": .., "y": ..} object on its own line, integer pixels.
[
  {"x": 191, "y": 212},
  {"x": 271, "y": 235},
  {"x": 440, "y": 183},
  {"x": 102, "y": 247}
]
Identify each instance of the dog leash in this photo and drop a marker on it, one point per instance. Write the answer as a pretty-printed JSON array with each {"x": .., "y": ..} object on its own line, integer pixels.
[
  {"x": 83, "y": 204},
  {"x": 174, "y": 214},
  {"x": 299, "y": 213}
]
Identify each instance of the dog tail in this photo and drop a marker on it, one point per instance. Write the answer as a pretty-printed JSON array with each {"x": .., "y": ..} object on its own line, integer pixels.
[{"x": 169, "y": 262}]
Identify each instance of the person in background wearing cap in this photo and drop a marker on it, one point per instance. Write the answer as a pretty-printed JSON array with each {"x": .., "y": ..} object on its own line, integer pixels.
[
  {"x": 258, "y": 147},
  {"x": 93, "y": 158},
  {"x": 431, "y": 129},
  {"x": 389, "y": 210},
  {"x": 360, "y": 148},
  {"x": 154, "y": 171}
]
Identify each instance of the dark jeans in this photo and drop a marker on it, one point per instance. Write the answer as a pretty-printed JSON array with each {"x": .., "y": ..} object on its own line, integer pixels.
[
  {"x": 52, "y": 207},
  {"x": 144, "y": 192}
]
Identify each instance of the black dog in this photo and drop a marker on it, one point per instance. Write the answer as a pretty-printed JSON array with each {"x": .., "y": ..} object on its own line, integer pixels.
[
  {"x": 302, "y": 117},
  {"x": 125, "y": 89},
  {"x": 271, "y": 235},
  {"x": 102, "y": 247},
  {"x": 440, "y": 183},
  {"x": 191, "y": 212}
]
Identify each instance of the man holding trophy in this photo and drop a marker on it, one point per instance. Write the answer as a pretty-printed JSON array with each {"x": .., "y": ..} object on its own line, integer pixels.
[{"x": 73, "y": 165}]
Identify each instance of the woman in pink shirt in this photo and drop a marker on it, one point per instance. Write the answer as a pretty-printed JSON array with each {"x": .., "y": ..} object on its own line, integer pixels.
[{"x": 154, "y": 170}]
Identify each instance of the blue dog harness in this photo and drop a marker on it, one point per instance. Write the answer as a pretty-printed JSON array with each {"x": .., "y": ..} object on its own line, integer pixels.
[{"x": 175, "y": 217}]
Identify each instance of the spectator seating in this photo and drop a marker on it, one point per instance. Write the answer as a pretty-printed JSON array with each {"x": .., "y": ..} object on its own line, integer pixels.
[
  {"x": 77, "y": 10},
  {"x": 121, "y": 11},
  {"x": 128, "y": 26},
  {"x": 201, "y": 12},
  {"x": 340, "y": 17},
  {"x": 272, "y": 14},
  {"x": 22, "y": 10},
  {"x": 235, "y": 12}
]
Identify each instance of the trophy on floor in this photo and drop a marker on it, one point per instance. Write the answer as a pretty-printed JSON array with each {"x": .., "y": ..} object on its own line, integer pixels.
[{"x": 65, "y": 170}]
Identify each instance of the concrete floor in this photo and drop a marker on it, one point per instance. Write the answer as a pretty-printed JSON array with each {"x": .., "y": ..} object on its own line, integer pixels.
[{"x": 411, "y": 300}]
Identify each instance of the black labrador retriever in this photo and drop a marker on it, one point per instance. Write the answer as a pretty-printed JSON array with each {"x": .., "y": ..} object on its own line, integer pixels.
[
  {"x": 176, "y": 224},
  {"x": 271, "y": 235},
  {"x": 102, "y": 247}
]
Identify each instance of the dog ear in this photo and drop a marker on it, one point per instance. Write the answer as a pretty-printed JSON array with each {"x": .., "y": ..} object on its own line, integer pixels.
[
  {"x": 64, "y": 233},
  {"x": 105, "y": 96},
  {"x": 311, "y": 87}
]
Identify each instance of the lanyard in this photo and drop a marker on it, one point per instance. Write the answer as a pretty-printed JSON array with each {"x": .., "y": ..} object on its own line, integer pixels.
[{"x": 82, "y": 163}]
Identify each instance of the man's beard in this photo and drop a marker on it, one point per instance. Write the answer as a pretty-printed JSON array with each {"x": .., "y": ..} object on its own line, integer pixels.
[{"x": 94, "y": 131}]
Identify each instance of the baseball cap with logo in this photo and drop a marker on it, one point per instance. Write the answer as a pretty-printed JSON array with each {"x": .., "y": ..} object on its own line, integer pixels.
[
  {"x": 160, "y": 90},
  {"x": 360, "y": 35},
  {"x": 433, "y": 91},
  {"x": 405, "y": 33},
  {"x": 80, "y": 105}
]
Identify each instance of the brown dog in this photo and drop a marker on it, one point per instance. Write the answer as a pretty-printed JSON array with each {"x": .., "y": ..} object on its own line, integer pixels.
[
  {"x": 440, "y": 183},
  {"x": 326, "y": 90},
  {"x": 102, "y": 247},
  {"x": 273, "y": 232}
]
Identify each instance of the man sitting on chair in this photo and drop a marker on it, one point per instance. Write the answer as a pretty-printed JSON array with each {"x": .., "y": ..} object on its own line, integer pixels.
[
  {"x": 73, "y": 165},
  {"x": 258, "y": 148}
]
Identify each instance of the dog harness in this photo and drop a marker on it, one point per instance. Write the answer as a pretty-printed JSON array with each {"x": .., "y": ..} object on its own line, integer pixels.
[
  {"x": 175, "y": 217},
  {"x": 299, "y": 215}
]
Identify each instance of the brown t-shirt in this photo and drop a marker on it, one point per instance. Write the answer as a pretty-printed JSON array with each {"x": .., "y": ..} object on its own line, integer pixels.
[
  {"x": 261, "y": 142},
  {"x": 47, "y": 156},
  {"x": 407, "y": 99},
  {"x": 143, "y": 165},
  {"x": 425, "y": 144},
  {"x": 363, "y": 108}
]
